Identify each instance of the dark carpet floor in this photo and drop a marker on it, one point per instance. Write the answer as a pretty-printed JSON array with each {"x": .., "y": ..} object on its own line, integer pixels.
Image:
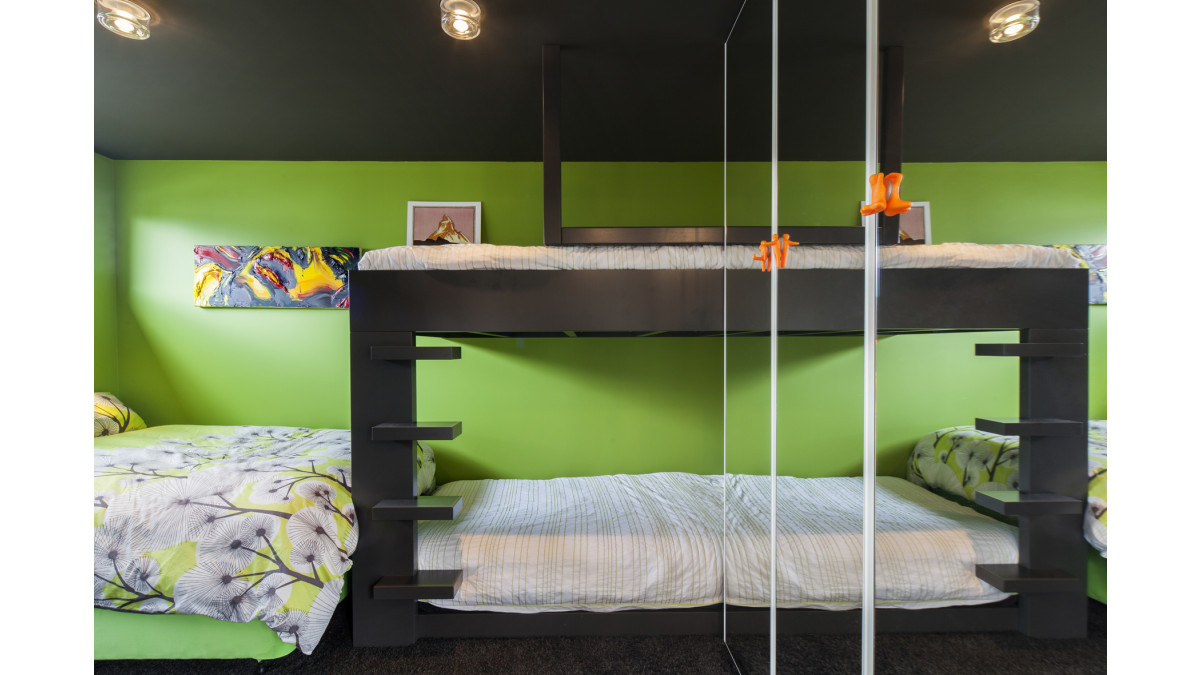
[{"x": 929, "y": 653}]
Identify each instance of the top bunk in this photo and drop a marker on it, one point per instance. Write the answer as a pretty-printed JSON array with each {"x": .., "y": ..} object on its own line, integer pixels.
[
  {"x": 704, "y": 281},
  {"x": 508, "y": 291}
]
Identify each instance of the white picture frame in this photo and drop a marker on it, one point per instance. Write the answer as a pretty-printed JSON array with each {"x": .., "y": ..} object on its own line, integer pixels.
[
  {"x": 424, "y": 220},
  {"x": 916, "y": 222}
]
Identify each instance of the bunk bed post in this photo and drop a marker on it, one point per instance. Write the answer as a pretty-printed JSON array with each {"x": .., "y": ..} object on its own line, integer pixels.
[
  {"x": 551, "y": 145},
  {"x": 1055, "y": 388},
  {"x": 891, "y": 131},
  {"x": 381, "y": 391}
]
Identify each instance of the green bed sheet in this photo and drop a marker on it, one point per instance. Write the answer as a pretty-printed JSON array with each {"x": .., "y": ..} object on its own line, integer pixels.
[
  {"x": 129, "y": 635},
  {"x": 1097, "y": 582}
]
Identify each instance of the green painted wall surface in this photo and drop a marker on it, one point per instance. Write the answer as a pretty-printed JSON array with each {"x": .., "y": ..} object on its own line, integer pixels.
[
  {"x": 104, "y": 278},
  {"x": 543, "y": 407},
  {"x": 638, "y": 194}
]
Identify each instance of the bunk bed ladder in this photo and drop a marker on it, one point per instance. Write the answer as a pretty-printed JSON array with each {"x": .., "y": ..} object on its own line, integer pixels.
[
  {"x": 1050, "y": 577},
  {"x": 385, "y": 580}
]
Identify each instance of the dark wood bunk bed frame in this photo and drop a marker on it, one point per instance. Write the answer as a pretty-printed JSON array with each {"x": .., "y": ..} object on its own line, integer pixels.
[{"x": 391, "y": 308}]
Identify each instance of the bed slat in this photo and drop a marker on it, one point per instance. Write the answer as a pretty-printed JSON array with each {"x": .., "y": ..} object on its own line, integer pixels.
[
  {"x": 424, "y": 585},
  {"x": 416, "y": 431},
  {"x": 1014, "y": 503},
  {"x": 415, "y": 353},
  {"x": 1017, "y": 579},
  {"x": 1032, "y": 349},
  {"x": 1013, "y": 426},
  {"x": 421, "y": 508}
]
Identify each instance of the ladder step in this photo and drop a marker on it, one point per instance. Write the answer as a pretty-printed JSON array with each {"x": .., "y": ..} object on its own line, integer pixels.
[
  {"x": 424, "y": 585},
  {"x": 1032, "y": 349},
  {"x": 1017, "y": 579},
  {"x": 1012, "y": 426},
  {"x": 416, "y": 431},
  {"x": 1014, "y": 503},
  {"x": 415, "y": 353},
  {"x": 421, "y": 508}
]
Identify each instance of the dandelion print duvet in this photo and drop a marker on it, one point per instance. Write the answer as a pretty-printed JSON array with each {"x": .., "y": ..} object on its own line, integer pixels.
[{"x": 237, "y": 523}]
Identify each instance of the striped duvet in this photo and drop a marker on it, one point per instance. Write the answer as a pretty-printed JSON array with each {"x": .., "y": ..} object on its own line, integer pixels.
[{"x": 611, "y": 543}]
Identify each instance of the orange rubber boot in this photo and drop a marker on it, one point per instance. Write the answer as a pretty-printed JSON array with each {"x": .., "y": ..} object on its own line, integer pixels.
[
  {"x": 878, "y": 195},
  {"x": 895, "y": 205}
]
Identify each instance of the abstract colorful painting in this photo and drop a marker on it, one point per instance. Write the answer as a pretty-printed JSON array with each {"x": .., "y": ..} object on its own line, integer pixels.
[
  {"x": 1095, "y": 258},
  {"x": 274, "y": 276}
]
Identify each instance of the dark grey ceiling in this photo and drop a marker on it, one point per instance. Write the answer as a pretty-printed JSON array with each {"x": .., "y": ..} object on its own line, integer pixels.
[{"x": 378, "y": 80}]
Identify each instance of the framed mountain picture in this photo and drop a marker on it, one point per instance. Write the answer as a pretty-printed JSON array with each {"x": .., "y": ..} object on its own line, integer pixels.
[{"x": 438, "y": 223}]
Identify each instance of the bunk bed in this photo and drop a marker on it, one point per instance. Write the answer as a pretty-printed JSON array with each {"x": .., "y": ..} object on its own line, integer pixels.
[
  {"x": 673, "y": 281},
  {"x": 391, "y": 307}
]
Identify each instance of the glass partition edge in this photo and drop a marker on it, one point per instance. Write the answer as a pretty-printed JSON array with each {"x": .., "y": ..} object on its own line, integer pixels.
[{"x": 870, "y": 298}]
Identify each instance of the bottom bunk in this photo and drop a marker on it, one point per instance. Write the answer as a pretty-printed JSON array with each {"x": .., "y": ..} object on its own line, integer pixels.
[{"x": 646, "y": 553}]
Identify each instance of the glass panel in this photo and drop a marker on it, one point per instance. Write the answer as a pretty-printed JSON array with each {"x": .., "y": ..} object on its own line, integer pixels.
[
  {"x": 932, "y": 387},
  {"x": 821, "y": 85},
  {"x": 789, "y": 443},
  {"x": 748, "y": 357}
]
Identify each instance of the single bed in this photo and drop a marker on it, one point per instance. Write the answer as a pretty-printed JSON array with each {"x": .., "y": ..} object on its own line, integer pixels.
[
  {"x": 219, "y": 542},
  {"x": 472, "y": 290}
]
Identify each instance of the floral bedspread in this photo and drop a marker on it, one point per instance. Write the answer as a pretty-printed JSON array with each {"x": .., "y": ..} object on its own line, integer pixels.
[
  {"x": 237, "y": 523},
  {"x": 961, "y": 460}
]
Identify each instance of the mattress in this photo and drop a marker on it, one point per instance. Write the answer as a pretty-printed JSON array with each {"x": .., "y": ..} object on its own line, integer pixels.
[
  {"x": 610, "y": 543},
  {"x": 490, "y": 257}
]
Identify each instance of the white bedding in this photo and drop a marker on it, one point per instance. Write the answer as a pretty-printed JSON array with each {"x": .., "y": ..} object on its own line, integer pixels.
[
  {"x": 489, "y": 257},
  {"x": 648, "y": 541}
]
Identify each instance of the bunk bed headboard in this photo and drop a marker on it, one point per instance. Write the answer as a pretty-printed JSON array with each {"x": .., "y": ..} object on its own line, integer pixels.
[{"x": 554, "y": 234}]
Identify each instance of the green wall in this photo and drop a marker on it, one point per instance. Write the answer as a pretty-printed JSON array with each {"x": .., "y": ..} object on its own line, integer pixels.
[
  {"x": 539, "y": 408},
  {"x": 104, "y": 278}
]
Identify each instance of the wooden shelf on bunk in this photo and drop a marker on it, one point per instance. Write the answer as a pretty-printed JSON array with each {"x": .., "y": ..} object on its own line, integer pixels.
[
  {"x": 1017, "y": 579},
  {"x": 416, "y": 431},
  {"x": 415, "y": 353},
  {"x": 1012, "y": 426},
  {"x": 1014, "y": 503},
  {"x": 1031, "y": 349},
  {"x": 424, "y": 585},
  {"x": 421, "y": 508}
]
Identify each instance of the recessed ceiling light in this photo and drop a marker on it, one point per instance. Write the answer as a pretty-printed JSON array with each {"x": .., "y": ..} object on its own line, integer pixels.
[
  {"x": 460, "y": 19},
  {"x": 123, "y": 18},
  {"x": 1014, "y": 21}
]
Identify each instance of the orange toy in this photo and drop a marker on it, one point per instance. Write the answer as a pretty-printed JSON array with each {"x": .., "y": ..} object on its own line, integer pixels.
[
  {"x": 781, "y": 248},
  {"x": 881, "y": 185},
  {"x": 764, "y": 250},
  {"x": 895, "y": 205},
  {"x": 878, "y": 195}
]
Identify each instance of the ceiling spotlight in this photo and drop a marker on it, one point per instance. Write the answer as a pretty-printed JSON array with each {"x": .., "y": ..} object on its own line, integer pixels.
[
  {"x": 123, "y": 18},
  {"x": 460, "y": 19},
  {"x": 1013, "y": 21}
]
